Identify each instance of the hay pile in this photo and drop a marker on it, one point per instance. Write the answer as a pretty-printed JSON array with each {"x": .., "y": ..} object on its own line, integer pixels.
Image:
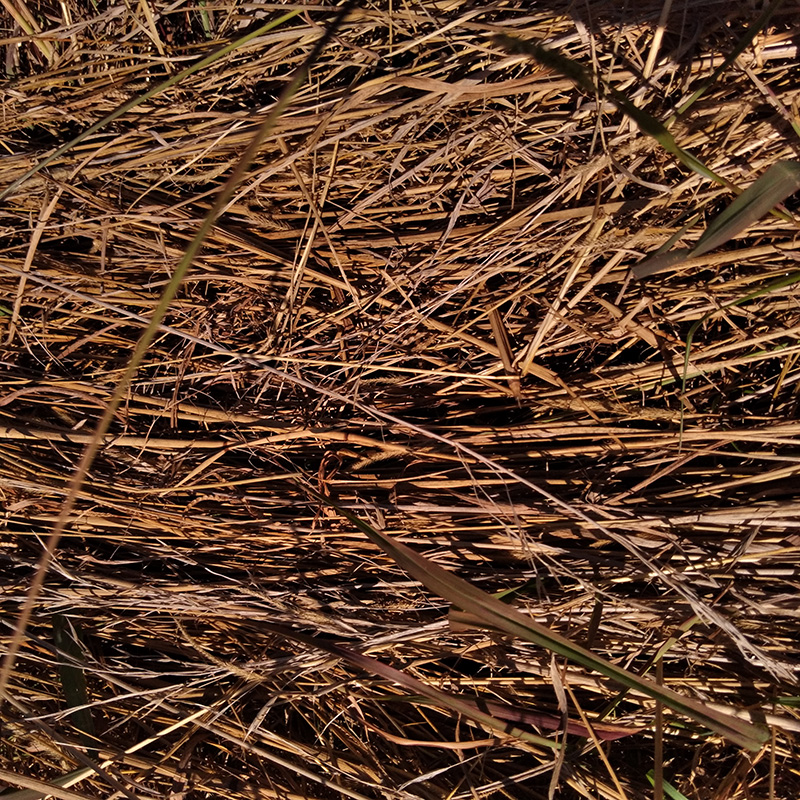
[{"x": 429, "y": 258}]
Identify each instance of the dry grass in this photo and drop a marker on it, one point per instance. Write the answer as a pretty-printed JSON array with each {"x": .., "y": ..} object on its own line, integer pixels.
[{"x": 432, "y": 247}]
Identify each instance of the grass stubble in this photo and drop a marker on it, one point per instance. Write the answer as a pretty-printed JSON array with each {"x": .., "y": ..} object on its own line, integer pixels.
[{"x": 416, "y": 303}]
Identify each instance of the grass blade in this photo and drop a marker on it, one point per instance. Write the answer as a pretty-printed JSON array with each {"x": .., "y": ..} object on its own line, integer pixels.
[
  {"x": 498, "y": 615},
  {"x": 779, "y": 182},
  {"x": 647, "y": 122},
  {"x": 746, "y": 39},
  {"x": 73, "y": 679},
  {"x": 583, "y": 79},
  {"x": 661, "y": 262},
  {"x": 669, "y": 790}
]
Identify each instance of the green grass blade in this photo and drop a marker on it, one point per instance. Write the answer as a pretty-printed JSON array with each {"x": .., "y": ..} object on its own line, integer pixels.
[
  {"x": 779, "y": 182},
  {"x": 156, "y": 90},
  {"x": 647, "y": 122},
  {"x": 669, "y": 789},
  {"x": 498, "y": 615},
  {"x": 584, "y": 80},
  {"x": 652, "y": 127},
  {"x": 661, "y": 262},
  {"x": 73, "y": 680},
  {"x": 741, "y": 46}
]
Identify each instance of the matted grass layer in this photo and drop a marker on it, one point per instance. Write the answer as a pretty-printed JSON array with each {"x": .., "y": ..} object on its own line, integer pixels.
[{"x": 432, "y": 252}]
